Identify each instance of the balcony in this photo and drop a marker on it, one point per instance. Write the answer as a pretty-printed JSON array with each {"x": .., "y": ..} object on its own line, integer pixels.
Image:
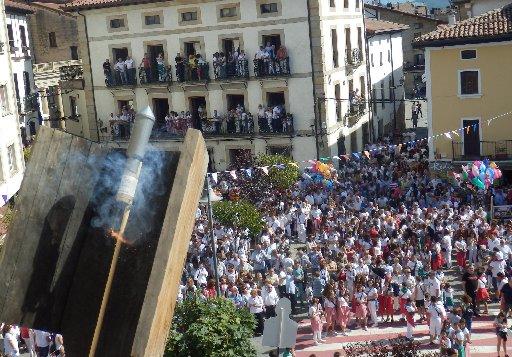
[
  {"x": 186, "y": 72},
  {"x": 271, "y": 67},
  {"x": 231, "y": 70},
  {"x": 493, "y": 150},
  {"x": 415, "y": 66},
  {"x": 355, "y": 112},
  {"x": 223, "y": 126},
  {"x": 156, "y": 75},
  {"x": 353, "y": 57}
]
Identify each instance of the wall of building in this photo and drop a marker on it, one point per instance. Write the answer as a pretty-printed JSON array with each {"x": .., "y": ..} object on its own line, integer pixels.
[
  {"x": 21, "y": 65},
  {"x": 447, "y": 108},
  {"x": 11, "y": 166},
  {"x": 390, "y": 46},
  {"x": 46, "y": 20}
]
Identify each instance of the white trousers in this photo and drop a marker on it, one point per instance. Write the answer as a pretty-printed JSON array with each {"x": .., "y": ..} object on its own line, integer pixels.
[
  {"x": 372, "y": 307},
  {"x": 435, "y": 326},
  {"x": 410, "y": 329}
]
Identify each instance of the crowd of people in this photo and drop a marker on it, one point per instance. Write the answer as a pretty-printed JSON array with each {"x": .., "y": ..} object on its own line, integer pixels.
[
  {"x": 230, "y": 65},
  {"x": 274, "y": 119},
  {"x": 123, "y": 72},
  {"x": 35, "y": 343},
  {"x": 191, "y": 68},
  {"x": 383, "y": 245},
  {"x": 120, "y": 124},
  {"x": 269, "y": 61}
]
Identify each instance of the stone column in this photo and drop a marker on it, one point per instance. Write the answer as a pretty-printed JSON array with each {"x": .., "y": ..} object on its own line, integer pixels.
[
  {"x": 60, "y": 108},
  {"x": 45, "y": 111}
]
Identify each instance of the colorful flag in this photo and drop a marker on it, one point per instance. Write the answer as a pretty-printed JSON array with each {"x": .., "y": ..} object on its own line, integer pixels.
[
  {"x": 248, "y": 172},
  {"x": 264, "y": 169},
  {"x": 233, "y": 174},
  {"x": 214, "y": 176}
]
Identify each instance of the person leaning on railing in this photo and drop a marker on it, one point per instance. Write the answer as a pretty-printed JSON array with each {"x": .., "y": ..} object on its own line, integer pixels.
[{"x": 107, "y": 71}]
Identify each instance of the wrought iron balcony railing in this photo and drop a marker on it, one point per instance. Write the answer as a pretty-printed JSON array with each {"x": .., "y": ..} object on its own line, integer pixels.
[
  {"x": 231, "y": 70},
  {"x": 499, "y": 150},
  {"x": 186, "y": 72},
  {"x": 271, "y": 67},
  {"x": 155, "y": 75},
  {"x": 353, "y": 57},
  {"x": 355, "y": 113}
]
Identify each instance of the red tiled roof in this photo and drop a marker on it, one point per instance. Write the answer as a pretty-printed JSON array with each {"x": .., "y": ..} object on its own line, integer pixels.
[
  {"x": 491, "y": 26},
  {"x": 98, "y": 4},
  {"x": 374, "y": 26},
  {"x": 18, "y": 6}
]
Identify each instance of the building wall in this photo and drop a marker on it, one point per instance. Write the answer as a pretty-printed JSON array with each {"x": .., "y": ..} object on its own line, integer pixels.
[
  {"x": 447, "y": 108},
  {"x": 417, "y": 26},
  {"x": 21, "y": 63},
  {"x": 339, "y": 135},
  {"x": 46, "y": 20},
  {"x": 381, "y": 76},
  {"x": 11, "y": 172}
]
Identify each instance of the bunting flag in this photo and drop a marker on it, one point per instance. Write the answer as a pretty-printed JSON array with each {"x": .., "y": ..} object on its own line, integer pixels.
[
  {"x": 467, "y": 129},
  {"x": 367, "y": 154},
  {"x": 356, "y": 155},
  {"x": 312, "y": 162},
  {"x": 455, "y": 132},
  {"x": 233, "y": 174},
  {"x": 336, "y": 157},
  {"x": 214, "y": 177},
  {"x": 293, "y": 164},
  {"x": 264, "y": 169},
  {"x": 248, "y": 172},
  {"x": 448, "y": 135}
]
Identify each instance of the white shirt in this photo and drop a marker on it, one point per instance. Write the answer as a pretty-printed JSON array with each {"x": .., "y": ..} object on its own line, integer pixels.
[
  {"x": 270, "y": 297},
  {"x": 255, "y": 304},
  {"x": 436, "y": 310},
  {"x": 497, "y": 266},
  {"x": 11, "y": 348},
  {"x": 129, "y": 63},
  {"x": 433, "y": 286},
  {"x": 42, "y": 338}
]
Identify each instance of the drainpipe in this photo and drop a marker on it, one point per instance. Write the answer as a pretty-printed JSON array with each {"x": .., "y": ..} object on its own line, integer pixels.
[
  {"x": 393, "y": 83},
  {"x": 368, "y": 79},
  {"x": 317, "y": 125},
  {"x": 92, "y": 78}
]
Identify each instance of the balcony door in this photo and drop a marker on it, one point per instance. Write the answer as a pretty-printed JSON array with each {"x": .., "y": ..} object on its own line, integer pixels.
[
  {"x": 160, "y": 109},
  {"x": 471, "y": 138},
  {"x": 154, "y": 51},
  {"x": 198, "y": 110}
]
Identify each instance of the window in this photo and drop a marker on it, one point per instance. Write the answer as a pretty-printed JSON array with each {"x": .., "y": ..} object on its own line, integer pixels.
[
  {"x": 228, "y": 12},
  {"x": 332, "y": 3},
  {"x": 371, "y": 60},
  {"x": 4, "y": 100},
  {"x": 389, "y": 56},
  {"x": 74, "y": 52},
  {"x": 391, "y": 90},
  {"x": 52, "y": 39},
  {"x": 73, "y": 107},
  {"x": 418, "y": 25},
  {"x": 152, "y": 20},
  {"x": 26, "y": 83},
  {"x": 467, "y": 54},
  {"x": 189, "y": 16},
  {"x": 345, "y": 4},
  {"x": 269, "y": 8},
  {"x": 469, "y": 82},
  {"x": 357, "y": 4},
  {"x": 117, "y": 23},
  {"x": 23, "y": 36},
  {"x": 16, "y": 90},
  {"x": 360, "y": 39},
  {"x": 337, "y": 95},
  {"x": 11, "y": 159},
  {"x": 334, "y": 40},
  {"x": 10, "y": 35},
  {"x": 380, "y": 56}
]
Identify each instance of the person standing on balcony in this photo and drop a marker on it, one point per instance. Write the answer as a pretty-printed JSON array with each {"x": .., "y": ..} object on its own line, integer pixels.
[
  {"x": 107, "y": 71},
  {"x": 160, "y": 65},
  {"x": 242, "y": 64},
  {"x": 130, "y": 70},
  {"x": 120, "y": 69},
  {"x": 282, "y": 55},
  {"x": 146, "y": 66},
  {"x": 261, "y": 118},
  {"x": 180, "y": 68},
  {"x": 259, "y": 61}
]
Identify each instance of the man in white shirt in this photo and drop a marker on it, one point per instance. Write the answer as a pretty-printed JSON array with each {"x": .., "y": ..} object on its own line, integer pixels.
[
  {"x": 120, "y": 69},
  {"x": 11, "y": 348},
  {"x": 270, "y": 299},
  {"x": 255, "y": 304},
  {"x": 42, "y": 342},
  {"x": 130, "y": 70},
  {"x": 497, "y": 265},
  {"x": 433, "y": 286}
]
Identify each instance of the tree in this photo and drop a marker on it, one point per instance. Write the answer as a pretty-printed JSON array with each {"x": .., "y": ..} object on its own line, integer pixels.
[
  {"x": 210, "y": 328},
  {"x": 283, "y": 171},
  {"x": 240, "y": 214}
]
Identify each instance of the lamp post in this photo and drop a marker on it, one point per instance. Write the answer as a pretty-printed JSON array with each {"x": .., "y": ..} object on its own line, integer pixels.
[{"x": 207, "y": 198}]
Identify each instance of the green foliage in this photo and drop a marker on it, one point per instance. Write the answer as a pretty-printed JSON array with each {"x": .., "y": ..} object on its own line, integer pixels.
[
  {"x": 283, "y": 177},
  {"x": 27, "y": 152},
  {"x": 210, "y": 328},
  {"x": 241, "y": 214}
]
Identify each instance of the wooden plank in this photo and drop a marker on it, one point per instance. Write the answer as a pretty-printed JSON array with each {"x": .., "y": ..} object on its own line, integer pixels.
[
  {"x": 159, "y": 302},
  {"x": 28, "y": 293},
  {"x": 27, "y": 196}
]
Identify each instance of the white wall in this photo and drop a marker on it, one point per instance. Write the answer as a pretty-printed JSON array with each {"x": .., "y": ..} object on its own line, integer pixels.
[
  {"x": 381, "y": 74},
  {"x": 10, "y": 180}
]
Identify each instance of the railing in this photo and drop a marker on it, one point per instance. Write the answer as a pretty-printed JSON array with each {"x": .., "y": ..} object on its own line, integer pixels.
[
  {"x": 192, "y": 73},
  {"x": 231, "y": 70},
  {"x": 355, "y": 112},
  {"x": 414, "y": 66},
  {"x": 353, "y": 57},
  {"x": 271, "y": 67},
  {"x": 494, "y": 150},
  {"x": 115, "y": 78},
  {"x": 155, "y": 75},
  {"x": 54, "y": 66},
  {"x": 211, "y": 127},
  {"x": 71, "y": 72},
  {"x": 281, "y": 125}
]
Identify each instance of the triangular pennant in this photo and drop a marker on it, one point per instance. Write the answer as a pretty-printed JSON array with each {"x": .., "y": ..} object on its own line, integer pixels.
[
  {"x": 367, "y": 153},
  {"x": 356, "y": 155},
  {"x": 448, "y": 135},
  {"x": 233, "y": 174},
  {"x": 248, "y": 172},
  {"x": 214, "y": 176},
  {"x": 336, "y": 157},
  {"x": 455, "y": 132},
  {"x": 264, "y": 169}
]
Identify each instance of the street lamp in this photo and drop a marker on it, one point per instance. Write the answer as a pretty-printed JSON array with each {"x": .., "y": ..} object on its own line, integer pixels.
[{"x": 208, "y": 197}]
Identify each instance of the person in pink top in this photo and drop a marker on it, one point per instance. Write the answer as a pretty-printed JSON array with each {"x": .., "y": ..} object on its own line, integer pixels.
[
  {"x": 315, "y": 315},
  {"x": 330, "y": 310},
  {"x": 342, "y": 314}
]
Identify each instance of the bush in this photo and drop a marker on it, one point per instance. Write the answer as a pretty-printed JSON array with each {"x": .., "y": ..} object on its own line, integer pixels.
[
  {"x": 210, "y": 328},
  {"x": 283, "y": 177},
  {"x": 240, "y": 214}
]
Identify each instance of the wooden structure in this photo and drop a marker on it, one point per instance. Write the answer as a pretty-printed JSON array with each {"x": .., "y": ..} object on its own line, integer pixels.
[{"x": 55, "y": 261}]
